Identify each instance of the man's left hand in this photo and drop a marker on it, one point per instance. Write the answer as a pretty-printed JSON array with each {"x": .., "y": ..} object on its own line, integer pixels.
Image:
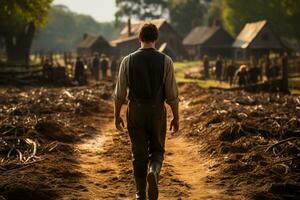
[{"x": 119, "y": 123}]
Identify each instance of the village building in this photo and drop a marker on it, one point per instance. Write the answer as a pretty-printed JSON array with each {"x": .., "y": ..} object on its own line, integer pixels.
[
  {"x": 169, "y": 42},
  {"x": 211, "y": 41},
  {"x": 257, "y": 39},
  {"x": 92, "y": 43}
]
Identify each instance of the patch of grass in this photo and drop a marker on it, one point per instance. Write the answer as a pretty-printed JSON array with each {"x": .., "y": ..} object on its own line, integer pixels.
[
  {"x": 294, "y": 83},
  {"x": 295, "y": 91},
  {"x": 182, "y": 67}
]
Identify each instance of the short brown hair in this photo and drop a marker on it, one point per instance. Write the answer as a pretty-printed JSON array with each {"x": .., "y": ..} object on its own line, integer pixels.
[{"x": 148, "y": 33}]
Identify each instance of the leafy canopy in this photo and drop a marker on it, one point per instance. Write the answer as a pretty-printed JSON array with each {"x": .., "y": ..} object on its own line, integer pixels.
[
  {"x": 141, "y": 9},
  {"x": 24, "y": 10}
]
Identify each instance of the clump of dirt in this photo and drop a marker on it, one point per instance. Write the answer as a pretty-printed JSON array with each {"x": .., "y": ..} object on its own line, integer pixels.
[
  {"x": 52, "y": 130},
  {"x": 25, "y": 192},
  {"x": 253, "y": 137}
]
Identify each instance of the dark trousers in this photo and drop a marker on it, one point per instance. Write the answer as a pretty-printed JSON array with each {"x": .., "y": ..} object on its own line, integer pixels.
[{"x": 147, "y": 130}]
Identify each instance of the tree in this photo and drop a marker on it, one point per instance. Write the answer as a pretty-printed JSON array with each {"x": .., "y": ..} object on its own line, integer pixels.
[
  {"x": 18, "y": 21},
  {"x": 141, "y": 9},
  {"x": 214, "y": 12},
  {"x": 283, "y": 15},
  {"x": 185, "y": 14}
]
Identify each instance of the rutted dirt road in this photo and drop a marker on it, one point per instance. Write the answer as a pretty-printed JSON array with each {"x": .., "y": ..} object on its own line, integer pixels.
[{"x": 105, "y": 161}]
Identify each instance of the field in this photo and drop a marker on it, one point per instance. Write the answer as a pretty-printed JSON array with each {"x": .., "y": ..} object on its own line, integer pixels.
[{"x": 60, "y": 143}]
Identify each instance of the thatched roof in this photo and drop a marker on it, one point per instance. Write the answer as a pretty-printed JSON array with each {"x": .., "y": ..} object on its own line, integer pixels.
[
  {"x": 200, "y": 35},
  {"x": 248, "y": 34}
]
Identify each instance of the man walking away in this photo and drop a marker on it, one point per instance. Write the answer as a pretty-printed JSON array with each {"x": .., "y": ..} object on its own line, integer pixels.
[
  {"x": 95, "y": 66},
  {"x": 149, "y": 76},
  {"x": 104, "y": 66}
]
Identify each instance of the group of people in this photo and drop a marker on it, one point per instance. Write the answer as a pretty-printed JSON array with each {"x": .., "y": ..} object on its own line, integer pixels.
[
  {"x": 97, "y": 65},
  {"x": 243, "y": 74}
]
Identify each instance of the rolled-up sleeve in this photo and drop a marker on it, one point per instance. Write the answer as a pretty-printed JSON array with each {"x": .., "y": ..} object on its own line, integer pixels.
[
  {"x": 120, "y": 92},
  {"x": 171, "y": 89}
]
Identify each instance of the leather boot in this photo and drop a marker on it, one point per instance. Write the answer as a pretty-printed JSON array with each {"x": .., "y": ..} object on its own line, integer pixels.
[
  {"x": 152, "y": 179},
  {"x": 140, "y": 174},
  {"x": 140, "y": 189}
]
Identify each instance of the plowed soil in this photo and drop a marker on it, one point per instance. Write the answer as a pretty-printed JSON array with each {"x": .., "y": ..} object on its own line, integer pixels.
[{"x": 97, "y": 164}]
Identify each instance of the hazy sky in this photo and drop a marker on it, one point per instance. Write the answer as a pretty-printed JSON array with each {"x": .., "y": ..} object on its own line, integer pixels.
[{"x": 100, "y": 10}]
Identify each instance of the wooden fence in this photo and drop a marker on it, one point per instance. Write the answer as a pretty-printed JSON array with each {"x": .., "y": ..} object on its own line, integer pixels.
[{"x": 18, "y": 71}]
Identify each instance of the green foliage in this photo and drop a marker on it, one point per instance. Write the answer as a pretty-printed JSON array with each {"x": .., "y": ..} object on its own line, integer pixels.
[
  {"x": 15, "y": 13},
  {"x": 283, "y": 15},
  {"x": 184, "y": 14},
  {"x": 140, "y": 9},
  {"x": 65, "y": 30}
]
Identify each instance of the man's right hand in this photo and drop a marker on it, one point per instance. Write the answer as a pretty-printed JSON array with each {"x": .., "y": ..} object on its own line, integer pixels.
[
  {"x": 119, "y": 123},
  {"x": 174, "y": 125}
]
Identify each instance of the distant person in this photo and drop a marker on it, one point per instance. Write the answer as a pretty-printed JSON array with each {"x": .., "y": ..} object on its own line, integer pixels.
[
  {"x": 254, "y": 73},
  {"x": 274, "y": 69},
  {"x": 206, "y": 66},
  {"x": 242, "y": 76},
  {"x": 114, "y": 67},
  {"x": 230, "y": 72},
  {"x": 47, "y": 69},
  {"x": 96, "y": 66},
  {"x": 104, "y": 66},
  {"x": 79, "y": 71},
  {"x": 267, "y": 65},
  {"x": 219, "y": 68}
]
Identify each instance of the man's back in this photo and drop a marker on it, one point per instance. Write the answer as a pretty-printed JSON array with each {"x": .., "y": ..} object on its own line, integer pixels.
[{"x": 146, "y": 73}]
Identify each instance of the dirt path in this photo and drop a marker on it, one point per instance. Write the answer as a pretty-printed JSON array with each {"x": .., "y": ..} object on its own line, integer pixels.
[
  {"x": 105, "y": 161},
  {"x": 193, "y": 169}
]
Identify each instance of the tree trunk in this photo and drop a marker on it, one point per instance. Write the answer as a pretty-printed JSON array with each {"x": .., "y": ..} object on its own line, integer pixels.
[{"x": 18, "y": 45}]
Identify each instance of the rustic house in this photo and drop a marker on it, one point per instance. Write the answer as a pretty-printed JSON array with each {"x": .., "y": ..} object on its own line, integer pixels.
[
  {"x": 211, "y": 41},
  {"x": 92, "y": 43},
  {"x": 169, "y": 41},
  {"x": 257, "y": 39}
]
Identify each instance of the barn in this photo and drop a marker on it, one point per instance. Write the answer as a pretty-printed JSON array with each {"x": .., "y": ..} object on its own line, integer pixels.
[
  {"x": 257, "y": 39},
  {"x": 211, "y": 41},
  {"x": 169, "y": 42},
  {"x": 92, "y": 43}
]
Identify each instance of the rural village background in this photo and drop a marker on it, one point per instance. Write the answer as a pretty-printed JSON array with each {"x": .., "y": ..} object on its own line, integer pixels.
[{"x": 237, "y": 65}]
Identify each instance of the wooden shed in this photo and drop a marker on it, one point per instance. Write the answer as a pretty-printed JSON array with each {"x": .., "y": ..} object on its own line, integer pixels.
[
  {"x": 257, "y": 39},
  {"x": 211, "y": 41},
  {"x": 92, "y": 43},
  {"x": 127, "y": 41}
]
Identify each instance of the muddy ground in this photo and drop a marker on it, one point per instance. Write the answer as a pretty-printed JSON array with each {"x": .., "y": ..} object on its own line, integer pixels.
[{"x": 223, "y": 150}]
